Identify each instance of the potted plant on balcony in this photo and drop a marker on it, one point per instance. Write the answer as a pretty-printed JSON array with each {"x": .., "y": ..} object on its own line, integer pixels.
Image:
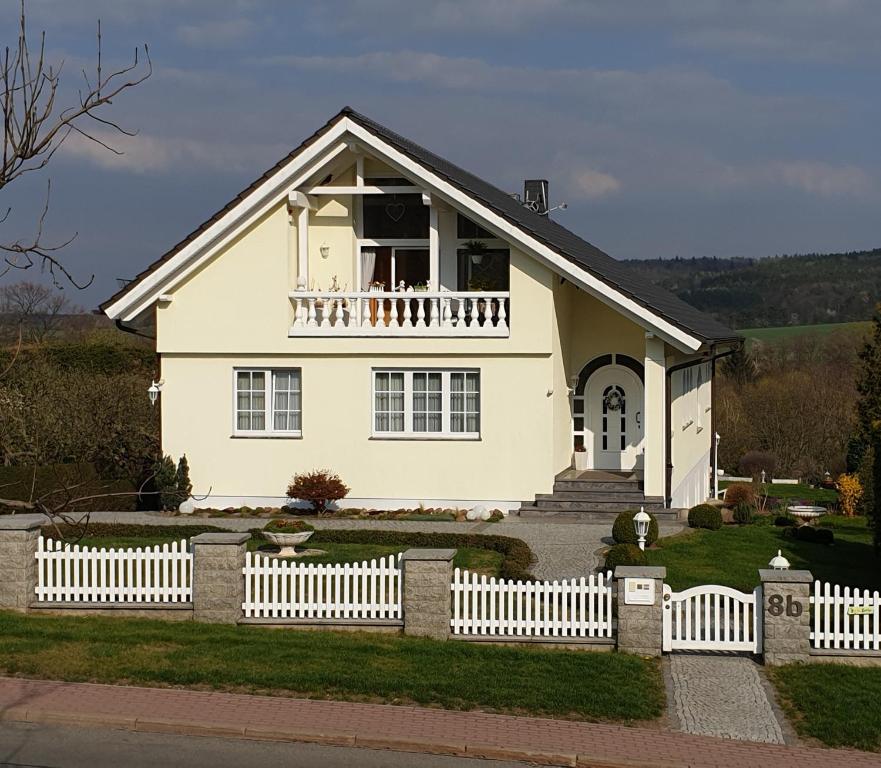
[{"x": 580, "y": 458}]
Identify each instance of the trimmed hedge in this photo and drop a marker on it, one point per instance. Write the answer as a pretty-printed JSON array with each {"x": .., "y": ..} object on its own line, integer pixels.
[
  {"x": 785, "y": 521},
  {"x": 129, "y": 530},
  {"x": 624, "y": 554},
  {"x": 705, "y": 516},
  {"x": 811, "y": 534},
  {"x": 623, "y": 531},
  {"x": 517, "y": 556}
]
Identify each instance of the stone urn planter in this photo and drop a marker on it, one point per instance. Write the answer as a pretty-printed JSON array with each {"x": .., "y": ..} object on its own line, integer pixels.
[
  {"x": 580, "y": 460},
  {"x": 287, "y": 542}
]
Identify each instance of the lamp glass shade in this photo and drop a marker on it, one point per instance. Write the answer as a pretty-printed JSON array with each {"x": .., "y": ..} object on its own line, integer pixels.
[{"x": 641, "y": 523}]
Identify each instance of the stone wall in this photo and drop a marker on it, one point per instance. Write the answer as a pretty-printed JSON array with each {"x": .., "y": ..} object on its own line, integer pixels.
[
  {"x": 786, "y": 610},
  {"x": 218, "y": 582},
  {"x": 18, "y": 563},
  {"x": 640, "y": 626},
  {"x": 427, "y": 598}
]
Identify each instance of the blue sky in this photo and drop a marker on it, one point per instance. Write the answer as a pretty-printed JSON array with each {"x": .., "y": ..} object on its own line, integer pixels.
[{"x": 670, "y": 127}]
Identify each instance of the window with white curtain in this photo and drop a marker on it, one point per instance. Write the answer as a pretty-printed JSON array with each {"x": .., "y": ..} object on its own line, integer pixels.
[
  {"x": 426, "y": 403},
  {"x": 268, "y": 402}
]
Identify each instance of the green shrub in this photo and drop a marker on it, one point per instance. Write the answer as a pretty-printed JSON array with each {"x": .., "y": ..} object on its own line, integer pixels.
[
  {"x": 743, "y": 514},
  {"x": 286, "y": 525},
  {"x": 623, "y": 531},
  {"x": 517, "y": 556},
  {"x": 624, "y": 554},
  {"x": 824, "y": 536},
  {"x": 705, "y": 516},
  {"x": 785, "y": 521},
  {"x": 739, "y": 493},
  {"x": 810, "y": 534}
]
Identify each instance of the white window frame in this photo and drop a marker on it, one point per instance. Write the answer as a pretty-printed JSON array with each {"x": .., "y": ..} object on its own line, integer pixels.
[
  {"x": 408, "y": 432},
  {"x": 268, "y": 402}
]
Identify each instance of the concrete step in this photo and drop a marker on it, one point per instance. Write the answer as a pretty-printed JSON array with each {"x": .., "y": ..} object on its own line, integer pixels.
[
  {"x": 593, "y": 506},
  {"x": 613, "y": 486},
  {"x": 586, "y": 515},
  {"x": 626, "y": 497}
]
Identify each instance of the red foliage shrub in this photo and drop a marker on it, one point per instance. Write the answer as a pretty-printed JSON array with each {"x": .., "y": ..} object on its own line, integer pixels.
[{"x": 319, "y": 487}]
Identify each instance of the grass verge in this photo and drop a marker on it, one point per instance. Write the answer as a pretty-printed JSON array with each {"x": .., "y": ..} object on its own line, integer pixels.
[
  {"x": 732, "y": 555},
  {"x": 327, "y": 665},
  {"x": 833, "y": 703}
]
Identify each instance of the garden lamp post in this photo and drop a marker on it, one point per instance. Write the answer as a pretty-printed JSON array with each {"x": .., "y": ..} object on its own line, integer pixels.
[{"x": 641, "y": 524}]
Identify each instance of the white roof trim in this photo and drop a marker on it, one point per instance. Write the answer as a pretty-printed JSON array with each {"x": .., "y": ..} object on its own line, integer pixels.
[{"x": 292, "y": 175}]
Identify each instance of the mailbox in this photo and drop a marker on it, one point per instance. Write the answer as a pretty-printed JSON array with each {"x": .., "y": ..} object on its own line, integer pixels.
[{"x": 639, "y": 591}]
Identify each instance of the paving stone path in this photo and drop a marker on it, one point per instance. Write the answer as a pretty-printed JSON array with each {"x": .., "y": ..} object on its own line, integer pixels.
[
  {"x": 562, "y": 550},
  {"x": 719, "y": 695}
]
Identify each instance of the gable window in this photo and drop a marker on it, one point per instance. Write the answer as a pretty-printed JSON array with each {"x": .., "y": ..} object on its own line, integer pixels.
[
  {"x": 469, "y": 230},
  {"x": 268, "y": 402},
  {"x": 426, "y": 403},
  {"x": 400, "y": 216}
]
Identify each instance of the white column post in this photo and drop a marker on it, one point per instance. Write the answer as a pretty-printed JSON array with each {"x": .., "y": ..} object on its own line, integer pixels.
[
  {"x": 655, "y": 418},
  {"x": 303, "y": 249},
  {"x": 433, "y": 243},
  {"x": 716, "y": 438}
]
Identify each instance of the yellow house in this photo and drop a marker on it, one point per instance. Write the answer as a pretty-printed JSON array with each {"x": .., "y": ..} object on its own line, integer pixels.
[{"x": 368, "y": 307}]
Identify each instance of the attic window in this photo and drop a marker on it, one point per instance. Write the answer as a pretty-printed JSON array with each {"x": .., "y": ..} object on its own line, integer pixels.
[{"x": 395, "y": 216}]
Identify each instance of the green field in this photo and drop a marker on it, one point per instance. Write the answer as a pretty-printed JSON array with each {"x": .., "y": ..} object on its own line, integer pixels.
[{"x": 792, "y": 331}]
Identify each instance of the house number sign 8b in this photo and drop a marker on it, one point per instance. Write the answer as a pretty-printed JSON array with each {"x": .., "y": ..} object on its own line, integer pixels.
[{"x": 777, "y": 606}]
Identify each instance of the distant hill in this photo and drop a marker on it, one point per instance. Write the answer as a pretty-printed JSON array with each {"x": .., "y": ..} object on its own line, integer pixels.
[{"x": 774, "y": 291}]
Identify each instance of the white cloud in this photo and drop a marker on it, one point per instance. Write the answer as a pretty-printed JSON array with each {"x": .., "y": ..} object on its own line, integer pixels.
[
  {"x": 592, "y": 185},
  {"x": 825, "y": 180},
  {"x": 145, "y": 153},
  {"x": 216, "y": 34}
]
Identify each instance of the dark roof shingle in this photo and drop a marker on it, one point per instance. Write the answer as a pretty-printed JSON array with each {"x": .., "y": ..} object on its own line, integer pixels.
[{"x": 556, "y": 237}]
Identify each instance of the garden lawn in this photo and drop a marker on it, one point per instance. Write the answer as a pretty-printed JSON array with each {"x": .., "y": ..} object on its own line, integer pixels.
[
  {"x": 732, "y": 555},
  {"x": 348, "y": 666},
  {"x": 834, "y": 703}
]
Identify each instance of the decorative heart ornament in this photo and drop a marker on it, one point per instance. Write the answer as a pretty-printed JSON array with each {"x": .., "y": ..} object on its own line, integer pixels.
[{"x": 395, "y": 211}]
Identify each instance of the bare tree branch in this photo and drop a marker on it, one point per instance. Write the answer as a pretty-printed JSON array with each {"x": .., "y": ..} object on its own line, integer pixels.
[{"x": 34, "y": 129}]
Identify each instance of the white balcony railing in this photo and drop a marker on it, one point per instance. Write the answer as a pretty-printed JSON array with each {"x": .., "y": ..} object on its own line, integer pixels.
[{"x": 393, "y": 313}]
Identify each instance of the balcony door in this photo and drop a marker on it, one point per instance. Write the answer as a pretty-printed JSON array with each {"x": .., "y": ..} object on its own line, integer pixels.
[{"x": 396, "y": 265}]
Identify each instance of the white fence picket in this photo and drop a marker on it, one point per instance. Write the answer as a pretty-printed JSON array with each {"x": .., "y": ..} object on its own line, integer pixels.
[
  {"x": 70, "y": 573},
  {"x": 571, "y": 608},
  {"x": 834, "y": 626},
  {"x": 280, "y": 589}
]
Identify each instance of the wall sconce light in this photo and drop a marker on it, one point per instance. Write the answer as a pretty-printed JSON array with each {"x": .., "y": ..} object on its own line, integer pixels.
[
  {"x": 154, "y": 389},
  {"x": 325, "y": 250}
]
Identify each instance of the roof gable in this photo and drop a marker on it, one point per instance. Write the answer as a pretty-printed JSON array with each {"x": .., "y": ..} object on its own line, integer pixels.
[{"x": 570, "y": 255}]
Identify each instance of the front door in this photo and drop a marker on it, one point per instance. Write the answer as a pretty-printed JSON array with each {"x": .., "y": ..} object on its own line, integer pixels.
[{"x": 613, "y": 405}]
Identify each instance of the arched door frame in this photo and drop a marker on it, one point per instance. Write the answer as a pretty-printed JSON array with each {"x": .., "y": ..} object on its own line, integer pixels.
[{"x": 580, "y": 409}]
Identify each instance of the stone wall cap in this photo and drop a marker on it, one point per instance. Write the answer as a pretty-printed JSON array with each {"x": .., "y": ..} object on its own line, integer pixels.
[
  {"x": 772, "y": 575},
  {"x": 220, "y": 538},
  {"x": 640, "y": 572},
  {"x": 429, "y": 554},
  {"x": 22, "y": 522}
]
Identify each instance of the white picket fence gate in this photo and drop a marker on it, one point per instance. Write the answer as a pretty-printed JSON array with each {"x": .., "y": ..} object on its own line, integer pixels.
[
  {"x": 278, "y": 589},
  {"x": 712, "y": 618},
  {"x": 845, "y": 618},
  {"x": 573, "y": 608},
  {"x": 70, "y": 573}
]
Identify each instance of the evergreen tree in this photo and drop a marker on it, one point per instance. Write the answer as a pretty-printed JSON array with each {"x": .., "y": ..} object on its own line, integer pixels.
[{"x": 869, "y": 381}]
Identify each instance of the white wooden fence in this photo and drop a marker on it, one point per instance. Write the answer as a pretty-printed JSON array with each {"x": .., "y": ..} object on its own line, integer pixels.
[
  {"x": 278, "y": 589},
  {"x": 76, "y": 574},
  {"x": 572, "y": 608},
  {"x": 845, "y": 618}
]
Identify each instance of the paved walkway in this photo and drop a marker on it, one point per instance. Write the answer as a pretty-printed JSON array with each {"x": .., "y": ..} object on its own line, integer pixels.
[
  {"x": 474, "y": 734},
  {"x": 562, "y": 550},
  {"x": 722, "y": 695}
]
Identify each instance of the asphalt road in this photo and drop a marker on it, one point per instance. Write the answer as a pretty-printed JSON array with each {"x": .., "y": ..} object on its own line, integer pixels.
[{"x": 25, "y": 745}]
